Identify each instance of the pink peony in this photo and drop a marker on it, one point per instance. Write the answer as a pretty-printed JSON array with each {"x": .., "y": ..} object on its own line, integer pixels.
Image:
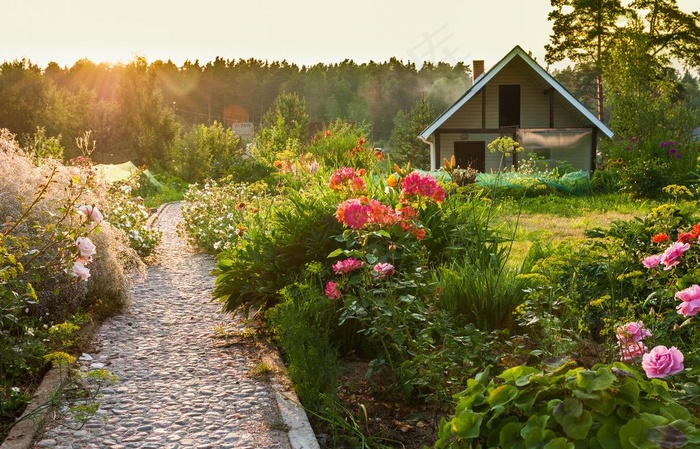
[
  {"x": 91, "y": 212},
  {"x": 662, "y": 361},
  {"x": 86, "y": 248},
  {"x": 80, "y": 271},
  {"x": 332, "y": 291},
  {"x": 383, "y": 270},
  {"x": 425, "y": 186},
  {"x": 355, "y": 215},
  {"x": 632, "y": 332},
  {"x": 670, "y": 257},
  {"x": 652, "y": 261},
  {"x": 346, "y": 266},
  {"x": 690, "y": 300}
]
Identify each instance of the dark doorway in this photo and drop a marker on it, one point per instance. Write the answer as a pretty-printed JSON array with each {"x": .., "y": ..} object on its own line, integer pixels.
[
  {"x": 471, "y": 154},
  {"x": 509, "y": 105}
]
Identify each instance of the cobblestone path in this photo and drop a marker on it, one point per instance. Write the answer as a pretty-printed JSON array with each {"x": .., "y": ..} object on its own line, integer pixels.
[{"x": 178, "y": 386}]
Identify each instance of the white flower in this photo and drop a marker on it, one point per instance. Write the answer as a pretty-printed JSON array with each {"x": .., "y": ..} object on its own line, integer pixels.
[
  {"x": 91, "y": 212},
  {"x": 86, "y": 248},
  {"x": 80, "y": 271}
]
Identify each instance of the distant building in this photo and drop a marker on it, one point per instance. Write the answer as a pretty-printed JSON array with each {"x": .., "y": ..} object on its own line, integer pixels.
[
  {"x": 244, "y": 130},
  {"x": 516, "y": 98}
]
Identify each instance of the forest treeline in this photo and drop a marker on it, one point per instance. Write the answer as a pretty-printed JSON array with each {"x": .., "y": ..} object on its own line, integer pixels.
[{"x": 136, "y": 110}]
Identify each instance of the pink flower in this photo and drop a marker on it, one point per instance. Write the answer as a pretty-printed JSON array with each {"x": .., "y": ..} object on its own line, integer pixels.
[
  {"x": 632, "y": 332},
  {"x": 332, "y": 291},
  {"x": 670, "y": 257},
  {"x": 383, "y": 270},
  {"x": 652, "y": 261},
  {"x": 424, "y": 186},
  {"x": 690, "y": 300},
  {"x": 632, "y": 351},
  {"x": 80, "y": 271},
  {"x": 86, "y": 248},
  {"x": 346, "y": 266},
  {"x": 352, "y": 213},
  {"x": 662, "y": 361},
  {"x": 91, "y": 212}
]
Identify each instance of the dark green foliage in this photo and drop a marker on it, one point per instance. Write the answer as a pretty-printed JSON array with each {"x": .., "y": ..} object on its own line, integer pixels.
[
  {"x": 304, "y": 323},
  {"x": 404, "y": 144}
]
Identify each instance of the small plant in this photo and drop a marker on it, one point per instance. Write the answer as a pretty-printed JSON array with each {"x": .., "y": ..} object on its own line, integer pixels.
[{"x": 564, "y": 406}]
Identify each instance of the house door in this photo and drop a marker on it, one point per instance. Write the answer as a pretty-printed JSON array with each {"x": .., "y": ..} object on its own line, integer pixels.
[
  {"x": 471, "y": 154},
  {"x": 509, "y": 105}
]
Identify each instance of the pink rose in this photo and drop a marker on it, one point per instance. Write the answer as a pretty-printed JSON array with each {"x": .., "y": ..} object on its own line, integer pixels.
[
  {"x": 91, "y": 212},
  {"x": 346, "y": 266},
  {"x": 670, "y": 257},
  {"x": 332, "y": 291},
  {"x": 690, "y": 300},
  {"x": 632, "y": 332},
  {"x": 632, "y": 351},
  {"x": 383, "y": 270},
  {"x": 80, "y": 271},
  {"x": 86, "y": 248},
  {"x": 662, "y": 361},
  {"x": 652, "y": 261}
]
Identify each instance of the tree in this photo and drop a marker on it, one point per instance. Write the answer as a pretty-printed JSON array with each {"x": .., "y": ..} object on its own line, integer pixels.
[
  {"x": 285, "y": 127},
  {"x": 146, "y": 127},
  {"x": 582, "y": 31},
  {"x": 205, "y": 152},
  {"x": 23, "y": 93},
  {"x": 405, "y": 145},
  {"x": 670, "y": 31}
]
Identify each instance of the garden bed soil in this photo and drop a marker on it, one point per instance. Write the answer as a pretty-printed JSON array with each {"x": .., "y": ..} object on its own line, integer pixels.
[{"x": 387, "y": 418}]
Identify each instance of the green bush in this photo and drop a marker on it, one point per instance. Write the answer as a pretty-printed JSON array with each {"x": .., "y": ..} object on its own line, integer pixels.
[
  {"x": 304, "y": 323},
  {"x": 567, "y": 407},
  {"x": 206, "y": 152},
  {"x": 296, "y": 230}
]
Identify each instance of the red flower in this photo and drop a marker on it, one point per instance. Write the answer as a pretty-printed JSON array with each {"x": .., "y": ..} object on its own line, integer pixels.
[
  {"x": 685, "y": 237},
  {"x": 660, "y": 238}
]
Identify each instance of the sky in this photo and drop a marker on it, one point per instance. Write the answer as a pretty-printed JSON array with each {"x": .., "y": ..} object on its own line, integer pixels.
[{"x": 304, "y": 32}]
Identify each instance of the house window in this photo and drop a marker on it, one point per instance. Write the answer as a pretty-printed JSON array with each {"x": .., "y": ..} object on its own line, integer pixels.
[
  {"x": 543, "y": 153},
  {"x": 509, "y": 105}
]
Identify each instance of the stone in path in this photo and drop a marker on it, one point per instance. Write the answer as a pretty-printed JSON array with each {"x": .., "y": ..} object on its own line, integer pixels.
[{"x": 178, "y": 386}]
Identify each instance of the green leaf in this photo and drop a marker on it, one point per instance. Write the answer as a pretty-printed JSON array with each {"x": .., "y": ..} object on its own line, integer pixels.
[
  {"x": 559, "y": 443},
  {"x": 674, "y": 411},
  {"x": 466, "y": 424},
  {"x": 510, "y": 436},
  {"x": 336, "y": 253},
  {"x": 577, "y": 427},
  {"x": 591, "y": 380},
  {"x": 609, "y": 436},
  {"x": 633, "y": 435},
  {"x": 520, "y": 374},
  {"x": 502, "y": 395}
]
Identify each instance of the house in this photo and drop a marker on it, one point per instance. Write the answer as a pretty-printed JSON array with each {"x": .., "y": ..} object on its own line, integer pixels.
[{"x": 516, "y": 98}]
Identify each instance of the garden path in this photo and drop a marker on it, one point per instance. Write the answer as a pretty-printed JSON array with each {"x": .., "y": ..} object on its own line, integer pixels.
[{"x": 178, "y": 385}]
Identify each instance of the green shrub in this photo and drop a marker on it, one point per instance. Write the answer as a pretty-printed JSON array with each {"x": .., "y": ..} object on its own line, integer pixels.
[
  {"x": 294, "y": 231},
  {"x": 206, "y": 152},
  {"x": 304, "y": 323},
  {"x": 568, "y": 407},
  {"x": 128, "y": 214}
]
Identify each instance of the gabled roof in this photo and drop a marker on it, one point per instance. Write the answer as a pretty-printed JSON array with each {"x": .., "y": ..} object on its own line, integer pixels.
[{"x": 484, "y": 78}]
